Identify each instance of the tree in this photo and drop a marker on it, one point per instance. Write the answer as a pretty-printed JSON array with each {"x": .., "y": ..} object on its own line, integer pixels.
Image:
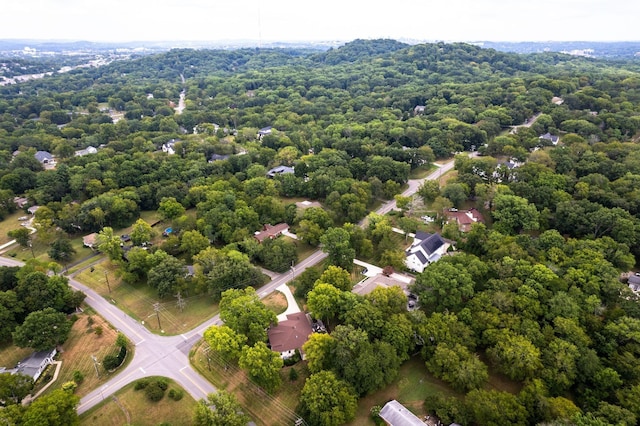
[
  {"x": 42, "y": 330},
  {"x": 57, "y": 408},
  {"x": 109, "y": 243},
  {"x": 328, "y": 401},
  {"x": 225, "y": 341},
  {"x": 220, "y": 408},
  {"x": 336, "y": 243},
  {"x": 495, "y": 408},
  {"x": 277, "y": 254},
  {"x": 456, "y": 192},
  {"x": 515, "y": 356},
  {"x": 429, "y": 190},
  {"x": 167, "y": 276},
  {"x": 23, "y": 237},
  {"x": 337, "y": 277},
  {"x": 263, "y": 365},
  {"x": 193, "y": 242},
  {"x": 245, "y": 314},
  {"x": 443, "y": 286},
  {"x": 170, "y": 208},
  {"x": 61, "y": 250},
  {"x": 514, "y": 214},
  {"x": 228, "y": 270},
  {"x": 14, "y": 387},
  {"x": 457, "y": 366},
  {"x": 141, "y": 232}
]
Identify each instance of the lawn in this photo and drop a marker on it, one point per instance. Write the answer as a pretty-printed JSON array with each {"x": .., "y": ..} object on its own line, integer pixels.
[
  {"x": 413, "y": 385},
  {"x": 11, "y": 354},
  {"x": 422, "y": 171},
  {"x": 304, "y": 250},
  {"x": 131, "y": 407},
  {"x": 82, "y": 344},
  {"x": 10, "y": 223},
  {"x": 264, "y": 409},
  {"x": 138, "y": 300},
  {"x": 276, "y": 302}
]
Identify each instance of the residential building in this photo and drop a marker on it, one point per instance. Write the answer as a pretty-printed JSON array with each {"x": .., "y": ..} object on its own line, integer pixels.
[
  {"x": 88, "y": 150},
  {"x": 218, "y": 157},
  {"x": 426, "y": 249},
  {"x": 33, "y": 365},
  {"x": 264, "y": 132},
  {"x": 290, "y": 334},
  {"x": 44, "y": 157},
  {"x": 90, "y": 240},
  {"x": 554, "y": 139},
  {"x": 418, "y": 110},
  {"x": 271, "y": 231},
  {"x": 280, "y": 170},
  {"x": 396, "y": 414},
  {"x": 464, "y": 218}
]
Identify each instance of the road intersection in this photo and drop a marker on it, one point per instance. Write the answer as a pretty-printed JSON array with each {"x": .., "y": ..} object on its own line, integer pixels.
[{"x": 168, "y": 356}]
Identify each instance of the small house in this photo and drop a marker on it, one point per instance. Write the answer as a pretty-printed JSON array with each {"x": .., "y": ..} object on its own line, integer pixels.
[
  {"x": 88, "y": 150},
  {"x": 395, "y": 414},
  {"x": 418, "y": 110},
  {"x": 90, "y": 240},
  {"x": 290, "y": 334},
  {"x": 554, "y": 139},
  {"x": 634, "y": 282},
  {"x": 271, "y": 231},
  {"x": 464, "y": 218},
  {"x": 34, "y": 364},
  {"x": 44, "y": 157},
  {"x": 218, "y": 157},
  {"x": 264, "y": 132},
  {"x": 280, "y": 170}
]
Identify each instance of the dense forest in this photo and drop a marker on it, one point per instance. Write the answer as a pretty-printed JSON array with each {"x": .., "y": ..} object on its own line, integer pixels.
[{"x": 534, "y": 295}]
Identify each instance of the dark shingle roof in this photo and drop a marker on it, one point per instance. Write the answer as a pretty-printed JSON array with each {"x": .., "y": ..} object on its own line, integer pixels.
[{"x": 431, "y": 244}]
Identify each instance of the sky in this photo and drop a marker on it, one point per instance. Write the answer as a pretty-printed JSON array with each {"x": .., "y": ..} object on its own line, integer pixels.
[{"x": 324, "y": 20}]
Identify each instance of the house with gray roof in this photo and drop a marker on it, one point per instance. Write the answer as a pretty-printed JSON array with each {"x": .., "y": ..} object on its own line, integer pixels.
[
  {"x": 280, "y": 170},
  {"x": 554, "y": 139},
  {"x": 396, "y": 414},
  {"x": 426, "y": 249},
  {"x": 44, "y": 157},
  {"x": 34, "y": 364}
]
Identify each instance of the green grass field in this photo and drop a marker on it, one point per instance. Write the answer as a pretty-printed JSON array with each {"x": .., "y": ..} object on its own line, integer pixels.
[
  {"x": 131, "y": 407},
  {"x": 138, "y": 300}
]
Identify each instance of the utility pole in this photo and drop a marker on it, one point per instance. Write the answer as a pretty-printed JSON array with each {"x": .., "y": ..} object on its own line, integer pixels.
[
  {"x": 95, "y": 364},
  {"x": 156, "y": 307},
  {"x": 106, "y": 277},
  {"x": 180, "y": 302}
]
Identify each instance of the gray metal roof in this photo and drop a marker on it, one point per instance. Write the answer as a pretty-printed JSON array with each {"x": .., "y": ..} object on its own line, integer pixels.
[{"x": 396, "y": 414}]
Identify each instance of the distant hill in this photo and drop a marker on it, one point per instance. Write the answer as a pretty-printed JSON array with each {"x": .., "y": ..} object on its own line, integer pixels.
[{"x": 594, "y": 49}]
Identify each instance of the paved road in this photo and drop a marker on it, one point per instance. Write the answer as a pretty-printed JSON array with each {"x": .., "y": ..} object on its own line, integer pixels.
[{"x": 169, "y": 355}]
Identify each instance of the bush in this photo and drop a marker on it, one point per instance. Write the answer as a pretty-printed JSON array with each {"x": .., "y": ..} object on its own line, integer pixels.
[
  {"x": 141, "y": 384},
  {"x": 89, "y": 321},
  {"x": 162, "y": 383},
  {"x": 78, "y": 377},
  {"x": 98, "y": 330},
  {"x": 176, "y": 394},
  {"x": 110, "y": 362},
  {"x": 154, "y": 391},
  {"x": 293, "y": 375},
  {"x": 69, "y": 387}
]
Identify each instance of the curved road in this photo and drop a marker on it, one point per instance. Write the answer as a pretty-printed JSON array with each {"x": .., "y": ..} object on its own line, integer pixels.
[{"x": 169, "y": 355}]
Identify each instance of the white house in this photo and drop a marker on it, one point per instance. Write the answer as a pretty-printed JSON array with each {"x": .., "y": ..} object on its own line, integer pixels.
[
  {"x": 396, "y": 414},
  {"x": 88, "y": 150},
  {"x": 34, "y": 364},
  {"x": 426, "y": 248}
]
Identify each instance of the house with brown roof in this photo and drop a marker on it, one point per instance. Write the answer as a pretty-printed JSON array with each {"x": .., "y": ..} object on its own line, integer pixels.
[
  {"x": 464, "y": 218},
  {"x": 271, "y": 231},
  {"x": 290, "y": 334},
  {"x": 90, "y": 240}
]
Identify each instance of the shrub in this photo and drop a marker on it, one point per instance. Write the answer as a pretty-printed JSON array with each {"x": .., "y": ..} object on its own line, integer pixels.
[
  {"x": 176, "y": 394},
  {"x": 154, "y": 392},
  {"x": 78, "y": 377},
  {"x": 89, "y": 321},
  {"x": 110, "y": 362},
  {"x": 293, "y": 375},
  {"x": 98, "y": 330},
  {"x": 162, "y": 383},
  {"x": 141, "y": 384},
  {"x": 69, "y": 387}
]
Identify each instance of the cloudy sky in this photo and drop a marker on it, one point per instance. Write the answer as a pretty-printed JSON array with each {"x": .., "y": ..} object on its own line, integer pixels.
[{"x": 284, "y": 20}]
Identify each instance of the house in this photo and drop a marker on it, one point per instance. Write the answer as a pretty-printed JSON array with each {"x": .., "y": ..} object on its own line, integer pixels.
[
  {"x": 264, "y": 132},
  {"x": 395, "y": 414},
  {"x": 90, "y": 240},
  {"x": 464, "y": 218},
  {"x": 169, "y": 146},
  {"x": 88, "y": 150},
  {"x": 634, "y": 282},
  {"x": 33, "y": 209},
  {"x": 551, "y": 138},
  {"x": 426, "y": 248},
  {"x": 218, "y": 157},
  {"x": 20, "y": 202},
  {"x": 368, "y": 284},
  {"x": 306, "y": 204},
  {"x": 418, "y": 110},
  {"x": 271, "y": 231},
  {"x": 34, "y": 364},
  {"x": 44, "y": 157},
  {"x": 280, "y": 170},
  {"x": 290, "y": 334}
]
